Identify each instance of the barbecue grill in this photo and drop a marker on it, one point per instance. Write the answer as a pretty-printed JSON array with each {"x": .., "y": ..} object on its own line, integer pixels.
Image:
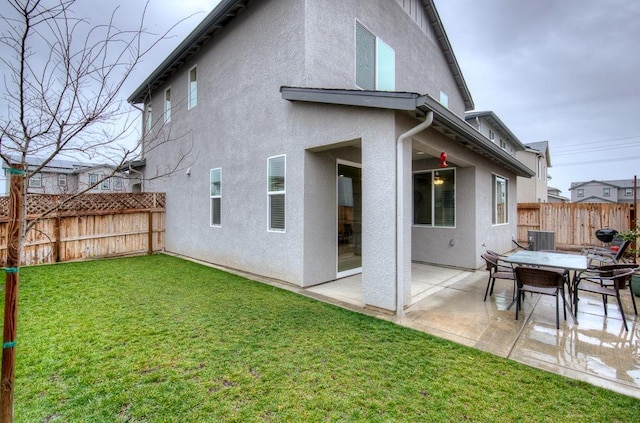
[{"x": 606, "y": 235}]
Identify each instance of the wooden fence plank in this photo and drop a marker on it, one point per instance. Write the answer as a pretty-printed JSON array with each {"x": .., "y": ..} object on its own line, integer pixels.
[{"x": 573, "y": 223}]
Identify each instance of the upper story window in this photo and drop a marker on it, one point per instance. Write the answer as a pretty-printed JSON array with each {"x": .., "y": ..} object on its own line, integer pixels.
[
  {"x": 628, "y": 192},
  {"x": 580, "y": 192},
  {"x": 167, "y": 105},
  {"x": 539, "y": 168},
  {"x": 375, "y": 62},
  {"x": 503, "y": 144},
  {"x": 492, "y": 135},
  {"x": 444, "y": 99},
  {"x": 106, "y": 184},
  {"x": 117, "y": 184},
  {"x": 35, "y": 180},
  {"x": 148, "y": 118},
  {"x": 62, "y": 179},
  {"x": 193, "y": 88},
  {"x": 606, "y": 192},
  {"x": 93, "y": 179}
]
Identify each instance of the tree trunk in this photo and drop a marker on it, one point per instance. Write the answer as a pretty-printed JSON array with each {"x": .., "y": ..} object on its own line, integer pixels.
[{"x": 16, "y": 199}]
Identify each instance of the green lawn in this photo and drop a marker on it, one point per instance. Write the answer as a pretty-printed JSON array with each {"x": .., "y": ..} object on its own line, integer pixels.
[{"x": 159, "y": 339}]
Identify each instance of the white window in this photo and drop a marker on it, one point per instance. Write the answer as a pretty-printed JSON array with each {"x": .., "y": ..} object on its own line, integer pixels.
[
  {"x": 117, "y": 184},
  {"x": 580, "y": 192},
  {"x": 106, "y": 183},
  {"x": 503, "y": 144},
  {"x": 628, "y": 192},
  {"x": 215, "y": 192},
  {"x": 500, "y": 200},
  {"x": 93, "y": 179},
  {"x": 606, "y": 192},
  {"x": 193, "y": 88},
  {"x": 167, "y": 105},
  {"x": 148, "y": 118},
  {"x": 492, "y": 135},
  {"x": 62, "y": 179},
  {"x": 35, "y": 180},
  {"x": 434, "y": 198},
  {"x": 539, "y": 168},
  {"x": 375, "y": 62},
  {"x": 276, "y": 192},
  {"x": 444, "y": 99}
]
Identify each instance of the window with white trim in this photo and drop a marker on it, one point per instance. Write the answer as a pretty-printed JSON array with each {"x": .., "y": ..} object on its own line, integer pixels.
[
  {"x": 148, "y": 118},
  {"x": 117, "y": 184},
  {"x": 375, "y": 62},
  {"x": 628, "y": 192},
  {"x": 106, "y": 183},
  {"x": 35, "y": 180},
  {"x": 580, "y": 192},
  {"x": 167, "y": 105},
  {"x": 434, "y": 198},
  {"x": 192, "y": 90},
  {"x": 492, "y": 135},
  {"x": 93, "y": 179},
  {"x": 606, "y": 192},
  {"x": 215, "y": 192},
  {"x": 444, "y": 99},
  {"x": 62, "y": 179},
  {"x": 500, "y": 200},
  {"x": 276, "y": 192},
  {"x": 503, "y": 144}
]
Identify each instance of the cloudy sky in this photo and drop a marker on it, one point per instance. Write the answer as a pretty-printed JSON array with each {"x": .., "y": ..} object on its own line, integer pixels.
[
  {"x": 564, "y": 71},
  {"x": 567, "y": 72}
]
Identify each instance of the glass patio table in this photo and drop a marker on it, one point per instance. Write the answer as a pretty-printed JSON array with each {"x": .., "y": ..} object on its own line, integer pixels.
[{"x": 569, "y": 262}]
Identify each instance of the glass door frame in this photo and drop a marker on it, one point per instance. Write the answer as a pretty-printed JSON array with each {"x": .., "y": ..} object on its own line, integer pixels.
[{"x": 355, "y": 270}]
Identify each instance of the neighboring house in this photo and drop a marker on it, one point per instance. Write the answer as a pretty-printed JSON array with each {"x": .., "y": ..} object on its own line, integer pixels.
[
  {"x": 536, "y": 157},
  {"x": 68, "y": 177},
  {"x": 553, "y": 196},
  {"x": 315, "y": 131},
  {"x": 490, "y": 125},
  {"x": 614, "y": 191}
]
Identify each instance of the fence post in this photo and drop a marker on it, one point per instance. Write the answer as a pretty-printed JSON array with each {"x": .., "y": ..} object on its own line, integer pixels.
[
  {"x": 150, "y": 233},
  {"x": 57, "y": 245}
]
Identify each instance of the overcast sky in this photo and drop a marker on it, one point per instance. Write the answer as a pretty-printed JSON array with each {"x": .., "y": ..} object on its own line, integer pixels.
[
  {"x": 563, "y": 71},
  {"x": 567, "y": 72}
]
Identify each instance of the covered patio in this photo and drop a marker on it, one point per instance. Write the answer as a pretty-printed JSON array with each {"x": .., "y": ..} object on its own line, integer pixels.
[{"x": 448, "y": 303}]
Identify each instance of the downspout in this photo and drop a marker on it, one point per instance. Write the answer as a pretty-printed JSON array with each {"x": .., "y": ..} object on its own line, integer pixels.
[{"x": 400, "y": 210}]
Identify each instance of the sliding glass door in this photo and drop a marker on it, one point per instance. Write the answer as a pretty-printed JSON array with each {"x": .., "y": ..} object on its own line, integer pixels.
[{"x": 349, "y": 234}]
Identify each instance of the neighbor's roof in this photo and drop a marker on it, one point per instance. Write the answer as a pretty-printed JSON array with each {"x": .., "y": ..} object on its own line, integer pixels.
[
  {"x": 227, "y": 10},
  {"x": 497, "y": 123},
  {"x": 541, "y": 147},
  {"x": 617, "y": 183},
  {"x": 444, "y": 120}
]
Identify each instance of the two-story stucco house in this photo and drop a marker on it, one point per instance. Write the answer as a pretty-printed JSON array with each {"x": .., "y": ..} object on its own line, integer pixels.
[
  {"x": 69, "y": 177},
  {"x": 612, "y": 191},
  {"x": 315, "y": 131},
  {"x": 535, "y": 156}
]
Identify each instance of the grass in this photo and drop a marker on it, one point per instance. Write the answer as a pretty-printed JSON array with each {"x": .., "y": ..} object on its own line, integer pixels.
[{"x": 159, "y": 339}]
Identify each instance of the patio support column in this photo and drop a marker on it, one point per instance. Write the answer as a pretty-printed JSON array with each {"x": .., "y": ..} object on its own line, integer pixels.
[{"x": 403, "y": 215}]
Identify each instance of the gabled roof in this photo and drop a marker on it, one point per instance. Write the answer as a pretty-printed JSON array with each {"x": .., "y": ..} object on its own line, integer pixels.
[
  {"x": 613, "y": 184},
  {"x": 542, "y": 147},
  {"x": 594, "y": 199},
  {"x": 227, "y": 10},
  {"x": 219, "y": 17},
  {"x": 495, "y": 121},
  {"x": 444, "y": 120}
]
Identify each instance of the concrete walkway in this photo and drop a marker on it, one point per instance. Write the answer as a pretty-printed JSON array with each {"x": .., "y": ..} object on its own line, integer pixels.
[{"x": 448, "y": 303}]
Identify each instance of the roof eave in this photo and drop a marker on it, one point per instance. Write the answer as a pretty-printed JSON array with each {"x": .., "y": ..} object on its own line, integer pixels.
[
  {"x": 212, "y": 23},
  {"x": 444, "y": 120}
]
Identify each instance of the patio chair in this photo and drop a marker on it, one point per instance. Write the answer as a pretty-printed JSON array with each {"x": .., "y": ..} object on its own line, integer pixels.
[
  {"x": 496, "y": 271},
  {"x": 607, "y": 281},
  {"x": 610, "y": 255},
  {"x": 541, "y": 281}
]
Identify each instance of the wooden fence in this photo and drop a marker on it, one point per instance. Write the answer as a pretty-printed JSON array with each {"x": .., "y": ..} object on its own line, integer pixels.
[
  {"x": 89, "y": 226},
  {"x": 574, "y": 224}
]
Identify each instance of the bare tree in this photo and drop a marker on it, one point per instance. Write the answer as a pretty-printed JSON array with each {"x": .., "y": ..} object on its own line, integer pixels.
[{"x": 62, "y": 99}]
